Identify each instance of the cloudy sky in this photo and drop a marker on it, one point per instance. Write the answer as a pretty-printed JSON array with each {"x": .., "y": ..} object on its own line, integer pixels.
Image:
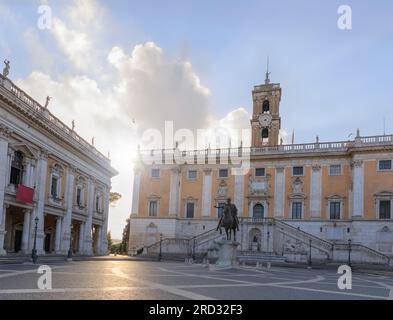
[{"x": 120, "y": 67}]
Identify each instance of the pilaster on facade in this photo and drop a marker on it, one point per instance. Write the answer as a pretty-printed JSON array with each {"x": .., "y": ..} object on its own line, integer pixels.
[
  {"x": 3, "y": 175},
  {"x": 239, "y": 194},
  {"x": 316, "y": 192},
  {"x": 3, "y": 212},
  {"x": 279, "y": 193},
  {"x": 88, "y": 245},
  {"x": 174, "y": 195},
  {"x": 207, "y": 192},
  {"x": 26, "y": 231},
  {"x": 104, "y": 229},
  {"x": 358, "y": 189},
  {"x": 136, "y": 191},
  {"x": 39, "y": 208},
  {"x": 69, "y": 200}
]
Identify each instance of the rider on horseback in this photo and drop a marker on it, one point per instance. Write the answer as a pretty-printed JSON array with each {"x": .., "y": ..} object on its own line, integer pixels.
[{"x": 233, "y": 210}]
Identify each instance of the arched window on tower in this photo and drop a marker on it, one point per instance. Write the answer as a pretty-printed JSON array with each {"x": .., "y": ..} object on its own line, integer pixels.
[
  {"x": 266, "y": 106},
  {"x": 265, "y": 135}
]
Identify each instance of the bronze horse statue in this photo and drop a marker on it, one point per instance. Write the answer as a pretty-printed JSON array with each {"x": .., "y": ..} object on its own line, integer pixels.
[{"x": 229, "y": 220}]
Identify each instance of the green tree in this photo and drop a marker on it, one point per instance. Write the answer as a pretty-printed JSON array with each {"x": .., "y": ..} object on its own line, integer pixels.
[
  {"x": 125, "y": 237},
  {"x": 109, "y": 239},
  {"x": 114, "y": 197}
]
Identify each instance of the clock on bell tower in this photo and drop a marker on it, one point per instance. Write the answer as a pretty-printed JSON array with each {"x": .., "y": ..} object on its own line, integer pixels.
[{"x": 266, "y": 120}]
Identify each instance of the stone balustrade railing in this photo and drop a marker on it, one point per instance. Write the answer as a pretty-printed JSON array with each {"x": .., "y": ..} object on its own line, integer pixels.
[
  {"x": 195, "y": 155},
  {"x": 305, "y": 237},
  {"x": 34, "y": 109}
]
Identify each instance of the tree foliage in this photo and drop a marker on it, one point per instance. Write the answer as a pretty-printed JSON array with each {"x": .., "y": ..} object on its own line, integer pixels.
[{"x": 114, "y": 197}]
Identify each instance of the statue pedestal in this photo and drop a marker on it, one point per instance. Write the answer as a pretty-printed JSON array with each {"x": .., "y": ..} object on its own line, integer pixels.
[{"x": 227, "y": 254}]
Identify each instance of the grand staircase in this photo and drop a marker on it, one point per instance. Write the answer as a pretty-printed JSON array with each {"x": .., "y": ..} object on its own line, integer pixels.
[{"x": 290, "y": 244}]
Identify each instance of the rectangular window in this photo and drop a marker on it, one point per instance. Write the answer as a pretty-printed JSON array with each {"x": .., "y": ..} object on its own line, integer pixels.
[
  {"x": 54, "y": 190},
  {"x": 335, "y": 170},
  {"x": 385, "y": 165},
  {"x": 16, "y": 176},
  {"x": 190, "y": 210},
  {"x": 192, "y": 174},
  {"x": 297, "y": 210},
  {"x": 335, "y": 210},
  {"x": 385, "y": 209},
  {"x": 298, "y": 171},
  {"x": 220, "y": 209},
  {"x": 260, "y": 172},
  {"x": 223, "y": 173},
  {"x": 155, "y": 173},
  {"x": 153, "y": 205}
]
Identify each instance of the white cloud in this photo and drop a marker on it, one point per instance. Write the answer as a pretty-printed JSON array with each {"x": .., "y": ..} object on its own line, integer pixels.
[
  {"x": 75, "y": 45},
  {"x": 154, "y": 87},
  {"x": 38, "y": 53}
]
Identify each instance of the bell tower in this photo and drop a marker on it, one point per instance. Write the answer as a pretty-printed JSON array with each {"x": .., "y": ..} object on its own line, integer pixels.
[{"x": 266, "y": 120}]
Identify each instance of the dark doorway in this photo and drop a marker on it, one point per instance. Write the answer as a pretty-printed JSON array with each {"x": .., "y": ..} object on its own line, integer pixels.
[
  {"x": 18, "y": 240},
  {"x": 47, "y": 242}
]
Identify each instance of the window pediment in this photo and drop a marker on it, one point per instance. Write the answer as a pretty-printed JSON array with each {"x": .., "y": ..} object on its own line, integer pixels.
[
  {"x": 384, "y": 194},
  {"x": 25, "y": 148}
]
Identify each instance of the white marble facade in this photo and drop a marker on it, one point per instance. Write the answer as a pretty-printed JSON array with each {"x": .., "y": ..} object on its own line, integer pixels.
[{"x": 30, "y": 129}]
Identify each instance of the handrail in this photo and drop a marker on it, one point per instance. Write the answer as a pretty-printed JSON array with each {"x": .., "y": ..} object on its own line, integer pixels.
[
  {"x": 306, "y": 234},
  {"x": 346, "y": 246}
]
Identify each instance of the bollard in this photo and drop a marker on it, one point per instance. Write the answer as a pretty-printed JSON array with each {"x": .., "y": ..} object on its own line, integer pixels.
[{"x": 268, "y": 265}]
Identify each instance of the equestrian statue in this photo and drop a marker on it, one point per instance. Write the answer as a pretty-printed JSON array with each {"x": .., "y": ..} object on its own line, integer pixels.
[{"x": 229, "y": 220}]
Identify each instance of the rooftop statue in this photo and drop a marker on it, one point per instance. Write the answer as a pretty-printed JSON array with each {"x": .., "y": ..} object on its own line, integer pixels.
[{"x": 6, "y": 70}]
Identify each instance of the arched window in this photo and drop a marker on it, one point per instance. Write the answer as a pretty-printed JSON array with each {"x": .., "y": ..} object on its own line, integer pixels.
[
  {"x": 266, "y": 106},
  {"x": 258, "y": 211},
  {"x": 17, "y": 168},
  {"x": 265, "y": 133}
]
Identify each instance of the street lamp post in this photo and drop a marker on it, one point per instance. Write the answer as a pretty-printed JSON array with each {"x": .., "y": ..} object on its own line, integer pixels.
[
  {"x": 193, "y": 250},
  {"x": 268, "y": 237},
  {"x": 69, "y": 255},
  {"x": 349, "y": 252},
  {"x": 34, "y": 251},
  {"x": 160, "y": 253},
  {"x": 309, "y": 255}
]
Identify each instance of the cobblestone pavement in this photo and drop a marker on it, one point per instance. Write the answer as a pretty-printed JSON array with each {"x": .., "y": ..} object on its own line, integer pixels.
[{"x": 119, "y": 279}]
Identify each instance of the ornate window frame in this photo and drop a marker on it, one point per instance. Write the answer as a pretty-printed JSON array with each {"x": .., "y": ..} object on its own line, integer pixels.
[
  {"x": 81, "y": 185},
  {"x": 153, "y": 198},
  {"x": 297, "y": 199},
  {"x": 262, "y": 202},
  {"x": 196, "y": 175},
  {"x": 335, "y": 165},
  {"x": 190, "y": 200},
  {"x": 331, "y": 199},
  {"x": 385, "y": 170},
  {"x": 56, "y": 171},
  {"x": 383, "y": 196}
]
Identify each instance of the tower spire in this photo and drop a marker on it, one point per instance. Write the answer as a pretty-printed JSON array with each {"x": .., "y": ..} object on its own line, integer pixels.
[{"x": 267, "y": 80}]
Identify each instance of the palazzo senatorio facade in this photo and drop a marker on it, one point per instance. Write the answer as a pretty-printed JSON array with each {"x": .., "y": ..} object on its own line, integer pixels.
[
  {"x": 323, "y": 193},
  {"x": 47, "y": 171}
]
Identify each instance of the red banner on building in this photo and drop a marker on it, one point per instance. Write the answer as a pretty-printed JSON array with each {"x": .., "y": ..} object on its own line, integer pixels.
[{"x": 25, "y": 194}]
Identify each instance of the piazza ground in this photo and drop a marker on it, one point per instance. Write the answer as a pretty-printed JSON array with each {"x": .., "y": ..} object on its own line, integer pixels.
[{"x": 122, "y": 279}]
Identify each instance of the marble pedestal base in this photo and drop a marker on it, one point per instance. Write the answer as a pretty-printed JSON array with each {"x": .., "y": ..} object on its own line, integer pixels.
[{"x": 227, "y": 254}]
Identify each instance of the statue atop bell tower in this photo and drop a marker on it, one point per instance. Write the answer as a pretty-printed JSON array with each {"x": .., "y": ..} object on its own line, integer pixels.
[{"x": 266, "y": 120}]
